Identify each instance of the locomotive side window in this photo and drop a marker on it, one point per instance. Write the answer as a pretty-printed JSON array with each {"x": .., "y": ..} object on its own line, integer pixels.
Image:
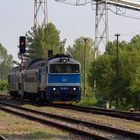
[{"x": 64, "y": 68}]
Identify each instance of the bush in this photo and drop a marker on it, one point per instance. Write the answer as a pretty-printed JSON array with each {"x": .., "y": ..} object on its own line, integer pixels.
[
  {"x": 3, "y": 85},
  {"x": 86, "y": 101}
]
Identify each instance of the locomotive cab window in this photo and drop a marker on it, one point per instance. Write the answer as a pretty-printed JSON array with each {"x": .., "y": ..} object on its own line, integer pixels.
[{"x": 64, "y": 68}]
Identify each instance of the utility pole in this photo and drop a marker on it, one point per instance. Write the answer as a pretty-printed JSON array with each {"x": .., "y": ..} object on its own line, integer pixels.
[
  {"x": 117, "y": 71},
  {"x": 85, "y": 41}
]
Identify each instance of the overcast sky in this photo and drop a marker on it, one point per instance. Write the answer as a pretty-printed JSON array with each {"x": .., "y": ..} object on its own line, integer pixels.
[{"x": 73, "y": 22}]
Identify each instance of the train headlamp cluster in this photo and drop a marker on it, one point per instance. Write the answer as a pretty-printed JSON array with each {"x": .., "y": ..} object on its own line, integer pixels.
[
  {"x": 74, "y": 88},
  {"x": 54, "y": 89},
  {"x": 64, "y": 60},
  {"x": 65, "y": 88}
]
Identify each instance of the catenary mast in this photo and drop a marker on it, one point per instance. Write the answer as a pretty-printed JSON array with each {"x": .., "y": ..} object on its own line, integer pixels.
[
  {"x": 101, "y": 16},
  {"x": 40, "y": 13}
]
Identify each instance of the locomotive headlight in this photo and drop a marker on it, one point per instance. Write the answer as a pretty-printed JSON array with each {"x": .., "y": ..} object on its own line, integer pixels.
[
  {"x": 64, "y": 60},
  {"x": 54, "y": 88},
  {"x": 74, "y": 88}
]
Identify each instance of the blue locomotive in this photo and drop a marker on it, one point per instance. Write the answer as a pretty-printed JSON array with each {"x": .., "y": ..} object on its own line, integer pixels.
[{"x": 56, "y": 80}]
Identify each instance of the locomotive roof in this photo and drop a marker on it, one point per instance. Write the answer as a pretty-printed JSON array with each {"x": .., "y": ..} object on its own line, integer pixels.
[
  {"x": 32, "y": 61},
  {"x": 58, "y": 60},
  {"x": 14, "y": 69}
]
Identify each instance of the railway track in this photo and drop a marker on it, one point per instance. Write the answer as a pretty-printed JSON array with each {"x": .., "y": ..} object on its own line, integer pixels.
[
  {"x": 93, "y": 110},
  {"x": 2, "y": 96},
  {"x": 2, "y": 138},
  {"x": 101, "y": 111},
  {"x": 84, "y": 128}
]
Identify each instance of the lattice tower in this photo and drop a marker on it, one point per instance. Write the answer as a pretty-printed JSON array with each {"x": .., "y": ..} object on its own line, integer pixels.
[{"x": 40, "y": 13}]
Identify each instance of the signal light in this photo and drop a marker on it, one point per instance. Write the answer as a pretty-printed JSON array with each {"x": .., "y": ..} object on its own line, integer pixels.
[
  {"x": 22, "y": 44},
  {"x": 50, "y": 53}
]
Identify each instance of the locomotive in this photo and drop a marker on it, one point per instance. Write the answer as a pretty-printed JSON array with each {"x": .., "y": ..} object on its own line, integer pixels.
[{"x": 56, "y": 80}]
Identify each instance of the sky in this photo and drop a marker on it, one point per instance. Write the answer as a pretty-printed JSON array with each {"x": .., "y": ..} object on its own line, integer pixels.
[{"x": 72, "y": 22}]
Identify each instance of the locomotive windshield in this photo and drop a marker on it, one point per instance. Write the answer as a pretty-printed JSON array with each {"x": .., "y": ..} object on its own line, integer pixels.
[{"x": 64, "y": 68}]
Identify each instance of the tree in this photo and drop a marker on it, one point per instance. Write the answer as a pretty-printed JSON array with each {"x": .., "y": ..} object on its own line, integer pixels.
[
  {"x": 77, "y": 51},
  {"x": 42, "y": 40},
  {"x": 104, "y": 69},
  {"x": 6, "y": 63}
]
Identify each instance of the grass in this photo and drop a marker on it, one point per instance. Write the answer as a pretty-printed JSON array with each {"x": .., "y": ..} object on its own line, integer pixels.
[
  {"x": 87, "y": 101},
  {"x": 2, "y": 114},
  {"x": 13, "y": 127},
  {"x": 39, "y": 134}
]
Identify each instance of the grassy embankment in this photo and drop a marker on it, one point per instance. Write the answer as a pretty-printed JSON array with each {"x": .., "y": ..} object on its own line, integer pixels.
[{"x": 13, "y": 127}]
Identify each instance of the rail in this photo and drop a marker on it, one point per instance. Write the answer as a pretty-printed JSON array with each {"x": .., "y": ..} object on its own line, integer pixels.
[{"x": 70, "y": 120}]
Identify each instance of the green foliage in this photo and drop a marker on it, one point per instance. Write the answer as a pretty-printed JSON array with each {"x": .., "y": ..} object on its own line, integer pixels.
[
  {"x": 135, "y": 40},
  {"x": 39, "y": 135},
  {"x": 86, "y": 101},
  {"x": 43, "y": 39},
  {"x": 77, "y": 51},
  {"x": 3, "y": 85},
  {"x": 6, "y": 63},
  {"x": 104, "y": 70}
]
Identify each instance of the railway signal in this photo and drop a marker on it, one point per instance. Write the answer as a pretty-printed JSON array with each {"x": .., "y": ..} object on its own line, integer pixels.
[
  {"x": 22, "y": 44},
  {"x": 50, "y": 53}
]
